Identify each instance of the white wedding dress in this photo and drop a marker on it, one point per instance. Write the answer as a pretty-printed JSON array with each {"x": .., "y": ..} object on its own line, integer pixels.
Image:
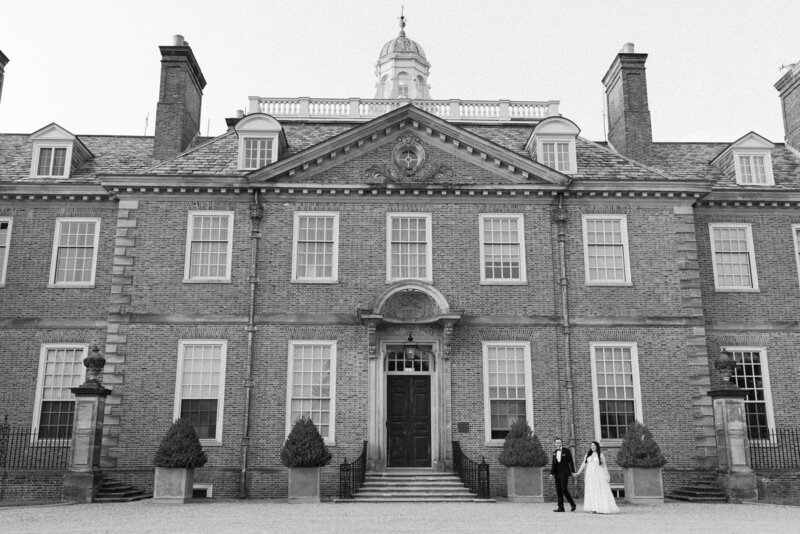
[{"x": 597, "y": 496}]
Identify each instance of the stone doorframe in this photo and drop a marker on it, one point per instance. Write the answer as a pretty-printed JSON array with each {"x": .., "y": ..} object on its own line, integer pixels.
[{"x": 416, "y": 308}]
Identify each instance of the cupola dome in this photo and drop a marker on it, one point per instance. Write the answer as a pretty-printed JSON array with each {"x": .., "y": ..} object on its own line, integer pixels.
[{"x": 402, "y": 69}]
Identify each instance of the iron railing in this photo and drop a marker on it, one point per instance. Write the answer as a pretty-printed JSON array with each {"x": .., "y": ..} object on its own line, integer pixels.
[
  {"x": 351, "y": 474},
  {"x": 475, "y": 475},
  {"x": 20, "y": 449},
  {"x": 780, "y": 451}
]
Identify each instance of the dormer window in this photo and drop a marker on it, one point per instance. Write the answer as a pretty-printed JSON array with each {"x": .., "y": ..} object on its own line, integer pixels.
[
  {"x": 261, "y": 141},
  {"x": 257, "y": 152},
  {"x": 52, "y": 161},
  {"x": 752, "y": 169},
  {"x": 555, "y": 154},
  {"x": 552, "y": 143},
  {"x": 56, "y": 152},
  {"x": 750, "y": 159}
]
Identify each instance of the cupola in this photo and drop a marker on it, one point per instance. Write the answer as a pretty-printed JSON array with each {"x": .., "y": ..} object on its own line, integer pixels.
[{"x": 402, "y": 69}]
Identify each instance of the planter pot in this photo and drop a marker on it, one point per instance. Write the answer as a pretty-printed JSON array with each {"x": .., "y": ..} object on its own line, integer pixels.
[
  {"x": 173, "y": 485},
  {"x": 303, "y": 484},
  {"x": 525, "y": 484},
  {"x": 643, "y": 485}
]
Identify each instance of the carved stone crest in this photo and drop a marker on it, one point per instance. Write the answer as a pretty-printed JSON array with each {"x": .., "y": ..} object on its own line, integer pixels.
[
  {"x": 409, "y": 154},
  {"x": 410, "y": 307}
]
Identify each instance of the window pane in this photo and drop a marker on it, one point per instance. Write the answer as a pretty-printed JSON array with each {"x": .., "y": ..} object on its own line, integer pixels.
[
  {"x": 506, "y": 387},
  {"x": 502, "y": 249},
  {"x": 748, "y": 376},
  {"x": 732, "y": 257},
  {"x": 209, "y": 248},
  {"x": 315, "y": 247},
  {"x": 409, "y": 247},
  {"x": 311, "y": 379},
  {"x": 63, "y": 369},
  {"x": 605, "y": 249},
  {"x": 200, "y": 386},
  {"x": 75, "y": 251},
  {"x": 615, "y": 394}
]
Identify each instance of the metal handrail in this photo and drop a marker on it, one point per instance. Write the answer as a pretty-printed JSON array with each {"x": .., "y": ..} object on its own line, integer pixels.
[
  {"x": 351, "y": 474},
  {"x": 473, "y": 474}
]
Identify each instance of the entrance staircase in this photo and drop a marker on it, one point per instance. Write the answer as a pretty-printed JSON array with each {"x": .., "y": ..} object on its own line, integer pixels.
[
  {"x": 414, "y": 485},
  {"x": 113, "y": 491},
  {"x": 704, "y": 488}
]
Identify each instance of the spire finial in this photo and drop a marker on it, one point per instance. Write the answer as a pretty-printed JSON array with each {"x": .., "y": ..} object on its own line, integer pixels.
[{"x": 402, "y": 21}]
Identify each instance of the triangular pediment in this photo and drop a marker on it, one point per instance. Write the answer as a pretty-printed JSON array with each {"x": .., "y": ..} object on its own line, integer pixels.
[{"x": 409, "y": 146}]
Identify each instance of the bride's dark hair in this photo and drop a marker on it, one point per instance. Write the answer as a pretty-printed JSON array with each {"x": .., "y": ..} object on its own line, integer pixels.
[{"x": 599, "y": 458}]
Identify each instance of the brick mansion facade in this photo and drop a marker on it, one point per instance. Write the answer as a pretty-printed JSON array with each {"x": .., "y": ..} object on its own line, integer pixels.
[{"x": 403, "y": 270}]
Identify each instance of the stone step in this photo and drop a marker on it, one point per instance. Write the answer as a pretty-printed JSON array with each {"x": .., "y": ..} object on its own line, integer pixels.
[
  {"x": 113, "y": 491},
  {"x": 412, "y": 486},
  {"x": 412, "y": 500},
  {"x": 413, "y": 483},
  {"x": 139, "y": 497}
]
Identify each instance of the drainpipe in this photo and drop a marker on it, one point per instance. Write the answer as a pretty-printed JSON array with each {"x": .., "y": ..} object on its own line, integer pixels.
[
  {"x": 561, "y": 223},
  {"x": 256, "y": 214}
]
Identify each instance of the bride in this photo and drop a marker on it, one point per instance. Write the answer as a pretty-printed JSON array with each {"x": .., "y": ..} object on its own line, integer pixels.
[{"x": 597, "y": 496}]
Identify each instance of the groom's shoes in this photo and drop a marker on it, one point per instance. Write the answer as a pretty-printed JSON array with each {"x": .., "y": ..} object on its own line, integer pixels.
[
  {"x": 572, "y": 507},
  {"x": 558, "y": 510}
]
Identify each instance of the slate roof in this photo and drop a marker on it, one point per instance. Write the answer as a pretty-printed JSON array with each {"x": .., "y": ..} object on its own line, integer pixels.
[
  {"x": 690, "y": 161},
  {"x": 131, "y": 155},
  {"x": 112, "y": 155}
]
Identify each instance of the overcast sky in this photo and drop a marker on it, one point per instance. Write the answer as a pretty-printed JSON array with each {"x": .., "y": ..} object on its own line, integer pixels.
[{"x": 93, "y": 66}]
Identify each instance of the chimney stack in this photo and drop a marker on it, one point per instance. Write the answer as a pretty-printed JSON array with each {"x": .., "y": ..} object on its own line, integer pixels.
[
  {"x": 179, "y": 99},
  {"x": 3, "y": 63},
  {"x": 789, "y": 89},
  {"x": 629, "y": 129}
]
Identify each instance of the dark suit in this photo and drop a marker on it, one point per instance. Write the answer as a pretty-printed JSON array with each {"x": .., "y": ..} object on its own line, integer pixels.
[{"x": 561, "y": 472}]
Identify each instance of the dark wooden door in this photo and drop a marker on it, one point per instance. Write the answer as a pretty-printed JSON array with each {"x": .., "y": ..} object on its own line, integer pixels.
[{"x": 409, "y": 421}]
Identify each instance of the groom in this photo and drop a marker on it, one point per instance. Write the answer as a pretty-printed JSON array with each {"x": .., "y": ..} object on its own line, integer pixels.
[{"x": 563, "y": 467}]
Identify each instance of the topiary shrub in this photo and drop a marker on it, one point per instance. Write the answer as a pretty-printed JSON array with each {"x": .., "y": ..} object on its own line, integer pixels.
[
  {"x": 522, "y": 448},
  {"x": 639, "y": 449},
  {"x": 304, "y": 446},
  {"x": 180, "y": 447}
]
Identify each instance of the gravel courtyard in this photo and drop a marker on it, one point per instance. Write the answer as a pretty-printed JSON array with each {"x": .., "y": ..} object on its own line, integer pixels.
[{"x": 501, "y": 517}]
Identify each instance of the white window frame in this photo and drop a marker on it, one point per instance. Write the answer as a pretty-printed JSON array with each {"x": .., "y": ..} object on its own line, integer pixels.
[
  {"x": 273, "y": 142},
  {"x": 176, "y": 413},
  {"x": 523, "y": 277},
  {"x": 769, "y": 178},
  {"x": 37, "y": 403},
  {"x": 187, "y": 279},
  {"x": 38, "y": 146},
  {"x": 334, "y": 278},
  {"x": 428, "y": 247},
  {"x": 762, "y": 351},
  {"x": 6, "y": 248},
  {"x": 331, "y": 438},
  {"x": 623, "y": 220},
  {"x": 637, "y": 391},
  {"x": 487, "y": 406},
  {"x": 572, "y": 159},
  {"x": 751, "y": 256},
  {"x": 51, "y": 282}
]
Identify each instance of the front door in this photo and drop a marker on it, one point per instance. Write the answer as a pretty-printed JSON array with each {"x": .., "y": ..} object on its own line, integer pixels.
[{"x": 409, "y": 420}]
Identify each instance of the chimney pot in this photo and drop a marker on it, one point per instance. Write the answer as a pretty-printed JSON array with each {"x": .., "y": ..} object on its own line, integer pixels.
[
  {"x": 177, "y": 40},
  {"x": 239, "y": 113},
  {"x": 627, "y": 48}
]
